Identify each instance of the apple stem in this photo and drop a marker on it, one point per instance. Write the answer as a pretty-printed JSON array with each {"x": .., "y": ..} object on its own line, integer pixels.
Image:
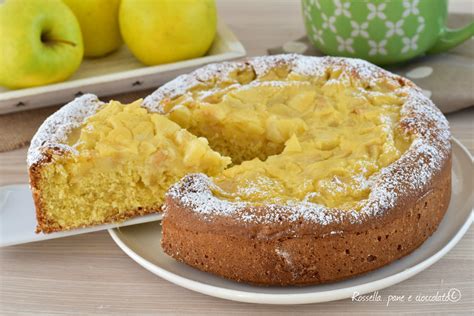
[{"x": 47, "y": 40}]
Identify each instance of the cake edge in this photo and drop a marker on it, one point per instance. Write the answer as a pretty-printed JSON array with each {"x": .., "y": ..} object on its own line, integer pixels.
[{"x": 305, "y": 259}]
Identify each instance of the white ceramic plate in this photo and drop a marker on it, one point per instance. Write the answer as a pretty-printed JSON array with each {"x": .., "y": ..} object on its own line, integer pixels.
[
  {"x": 142, "y": 244},
  {"x": 18, "y": 218},
  {"x": 117, "y": 72}
]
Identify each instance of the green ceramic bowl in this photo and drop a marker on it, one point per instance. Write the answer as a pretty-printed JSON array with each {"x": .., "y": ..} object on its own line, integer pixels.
[{"x": 381, "y": 31}]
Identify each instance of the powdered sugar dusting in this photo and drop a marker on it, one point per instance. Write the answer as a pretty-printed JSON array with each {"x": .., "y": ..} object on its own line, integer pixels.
[
  {"x": 316, "y": 67},
  {"x": 54, "y": 132},
  {"x": 205, "y": 76},
  {"x": 196, "y": 192},
  {"x": 411, "y": 173}
]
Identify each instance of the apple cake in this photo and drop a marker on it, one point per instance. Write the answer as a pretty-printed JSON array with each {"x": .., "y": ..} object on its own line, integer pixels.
[
  {"x": 92, "y": 163},
  {"x": 338, "y": 168},
  {"x": 276, "y": 170}
]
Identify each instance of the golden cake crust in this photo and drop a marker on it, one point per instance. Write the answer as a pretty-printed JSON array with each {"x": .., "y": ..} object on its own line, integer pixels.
[
  {"x": 302, "y": 243},
  {"x": 271, "y": 256}
]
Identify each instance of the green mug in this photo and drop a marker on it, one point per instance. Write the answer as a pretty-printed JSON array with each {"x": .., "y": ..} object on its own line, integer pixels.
[{"x": 383, "y": 32}]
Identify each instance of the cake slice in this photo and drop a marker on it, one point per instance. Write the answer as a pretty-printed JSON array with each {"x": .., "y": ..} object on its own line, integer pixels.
[{"x": 92, "y": 163}]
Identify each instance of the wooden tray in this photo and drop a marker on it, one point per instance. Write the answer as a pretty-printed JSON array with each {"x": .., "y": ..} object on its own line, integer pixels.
[{"x": 117, "y": 73}]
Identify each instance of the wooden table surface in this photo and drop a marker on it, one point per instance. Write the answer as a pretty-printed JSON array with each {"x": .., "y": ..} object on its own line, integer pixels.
[{"x": 89, "y": 274}]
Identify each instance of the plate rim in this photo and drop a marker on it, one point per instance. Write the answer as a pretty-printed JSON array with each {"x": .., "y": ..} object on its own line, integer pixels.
[{"x": 298, "y": 298}]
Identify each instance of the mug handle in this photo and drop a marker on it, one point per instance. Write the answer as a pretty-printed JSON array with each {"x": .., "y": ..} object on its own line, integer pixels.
[{"x": 450, "y": 38}]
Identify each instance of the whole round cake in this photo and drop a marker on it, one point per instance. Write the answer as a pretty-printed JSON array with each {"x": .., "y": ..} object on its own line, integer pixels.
[{"x": 338, "y": 168}]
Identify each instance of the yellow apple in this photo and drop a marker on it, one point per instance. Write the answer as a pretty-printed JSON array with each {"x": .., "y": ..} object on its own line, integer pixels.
[
  {"x": 40, "y": 43},
  {"x": 99, "y": 25},
  {"x": 163, "y": 31}
]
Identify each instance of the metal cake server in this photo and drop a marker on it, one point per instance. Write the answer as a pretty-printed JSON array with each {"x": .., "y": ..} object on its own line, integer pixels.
[{"x": 18, "y": 218}]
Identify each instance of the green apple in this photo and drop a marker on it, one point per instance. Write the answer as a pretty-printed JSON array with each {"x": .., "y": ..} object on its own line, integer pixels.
[
  {"x": 40, "y": 43},
  {"x": 163, "y": 31},
  {"x": 99, "y": 25}
]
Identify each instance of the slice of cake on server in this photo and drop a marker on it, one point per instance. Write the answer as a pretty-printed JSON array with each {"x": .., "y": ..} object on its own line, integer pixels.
[{"x": 92, "y": 163}]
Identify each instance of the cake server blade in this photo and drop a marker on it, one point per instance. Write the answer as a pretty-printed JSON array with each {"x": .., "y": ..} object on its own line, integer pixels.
[{"x": 18, "y": 218}]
